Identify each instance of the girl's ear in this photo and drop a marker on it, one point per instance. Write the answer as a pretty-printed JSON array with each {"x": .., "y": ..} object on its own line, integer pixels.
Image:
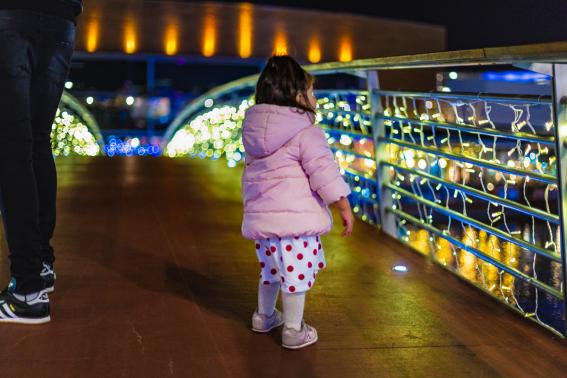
[{"x": 300, "y": 98}]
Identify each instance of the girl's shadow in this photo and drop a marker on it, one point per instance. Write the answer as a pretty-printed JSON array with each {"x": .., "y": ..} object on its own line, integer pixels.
[{"x": 226, "y": 298}]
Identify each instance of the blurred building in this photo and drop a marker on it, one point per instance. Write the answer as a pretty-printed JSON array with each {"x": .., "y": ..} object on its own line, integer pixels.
[{"x": 139, "y": 62}]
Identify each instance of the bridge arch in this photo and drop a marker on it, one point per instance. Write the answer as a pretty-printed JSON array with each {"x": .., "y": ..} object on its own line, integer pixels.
[{"x": 75, "y": 131}]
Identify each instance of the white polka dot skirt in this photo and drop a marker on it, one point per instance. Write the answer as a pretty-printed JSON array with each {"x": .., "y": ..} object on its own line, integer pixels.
[{"x": 293, "y": 261}]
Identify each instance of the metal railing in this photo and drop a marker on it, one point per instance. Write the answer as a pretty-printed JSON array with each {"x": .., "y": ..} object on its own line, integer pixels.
[{"x": 469, "y": 179}]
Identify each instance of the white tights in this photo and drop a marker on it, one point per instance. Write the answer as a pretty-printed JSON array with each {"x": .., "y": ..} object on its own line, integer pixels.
[{"x": 293, "y": 304}]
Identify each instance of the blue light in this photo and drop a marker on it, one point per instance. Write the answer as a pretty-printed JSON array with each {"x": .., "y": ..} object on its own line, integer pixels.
[
  {"x": 118, "y": 147},
  {"x": 515, "y": 76},
  {"x": 400, "y": 268}
]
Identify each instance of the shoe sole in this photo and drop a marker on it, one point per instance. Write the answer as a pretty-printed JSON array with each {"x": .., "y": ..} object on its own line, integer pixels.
[
  {"x": 50, "y": 290},
  {"x": 26, "y": 321},
  {"x": 294, "y": 347},
  {"x": 269, "y": 329}
]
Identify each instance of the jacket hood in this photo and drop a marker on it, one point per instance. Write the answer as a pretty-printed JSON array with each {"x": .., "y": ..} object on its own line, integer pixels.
[{"x": 268, "y": 127}]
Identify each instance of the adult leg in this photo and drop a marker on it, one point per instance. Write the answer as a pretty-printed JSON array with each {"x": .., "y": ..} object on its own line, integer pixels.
[
  {"x": 47, "y": 87},
  {"x": 17, "y": 178}
]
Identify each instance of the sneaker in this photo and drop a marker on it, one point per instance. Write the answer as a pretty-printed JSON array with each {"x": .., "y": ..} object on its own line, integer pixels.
[
  {"x": 49, "y": 276},
  {"x": 263, "y": 323},
  {"x": 14, "y": 310},
  {"x": 293, "y": 339}
]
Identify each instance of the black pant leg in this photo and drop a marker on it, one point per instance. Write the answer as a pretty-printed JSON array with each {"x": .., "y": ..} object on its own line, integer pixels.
[
  {"x": 47, "y": 86},
  {"x": 18, "y": 188}
]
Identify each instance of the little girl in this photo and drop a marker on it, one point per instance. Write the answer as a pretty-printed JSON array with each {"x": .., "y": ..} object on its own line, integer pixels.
[{"x": 289, "y": 180}]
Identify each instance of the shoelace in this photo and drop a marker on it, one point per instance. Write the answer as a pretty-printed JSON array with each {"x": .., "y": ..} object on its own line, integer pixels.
[{"x": 47, "y": 269}]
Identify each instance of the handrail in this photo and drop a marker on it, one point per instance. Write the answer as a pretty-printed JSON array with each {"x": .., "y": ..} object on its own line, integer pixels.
[
  {"x": 515, "y": 272},
  {"x": 474, "y": 129},
  {"x": 473, "y": 222},
  {"x": 533, "y": 100},
  {"x": 546, "y": 179},
  {"x": 543, "y": 52},
  {"x": 531, "y": 211}
]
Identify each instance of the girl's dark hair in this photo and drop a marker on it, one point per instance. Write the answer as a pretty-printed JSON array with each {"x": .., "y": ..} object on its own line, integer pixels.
[{"x": 281, "y": 81}]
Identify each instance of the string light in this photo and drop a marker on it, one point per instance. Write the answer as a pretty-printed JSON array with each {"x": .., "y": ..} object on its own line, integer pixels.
[
  {"x": 520, "y": 154},
  {"x": 70, "y": 136}
]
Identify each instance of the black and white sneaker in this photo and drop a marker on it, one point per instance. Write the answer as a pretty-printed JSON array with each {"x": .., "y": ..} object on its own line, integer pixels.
[
  {"x": 13, "y": 310},
  {"x": 49, "y": 276},
  {"x": 24, "y": 310}
]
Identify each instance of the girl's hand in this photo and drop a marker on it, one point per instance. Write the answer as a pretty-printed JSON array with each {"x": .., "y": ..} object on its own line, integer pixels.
[{"x": 346, "y": 215}]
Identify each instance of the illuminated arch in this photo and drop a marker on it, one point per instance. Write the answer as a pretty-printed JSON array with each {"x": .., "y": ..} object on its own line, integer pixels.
[
  {"x": 75, "y": 131},
  {"x": 210, "y": 126}
]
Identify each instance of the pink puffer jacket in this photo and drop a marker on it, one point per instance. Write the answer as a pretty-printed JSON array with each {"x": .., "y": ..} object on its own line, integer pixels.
[{"x": 290, "y": 175}]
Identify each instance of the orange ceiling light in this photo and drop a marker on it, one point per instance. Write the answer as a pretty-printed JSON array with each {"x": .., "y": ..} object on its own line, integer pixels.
[
  {"x": 245, "y": 27},
  {"x": 171, "y": 43},
  {"x": 314, "y": 53},
  {"x": 130, "y": 37},
  {"x": 280, "y": 42},
  {"x": 93, "y": 31},
  {"x": 345, "y": 49},
  {"x": 209, "y": 35}
]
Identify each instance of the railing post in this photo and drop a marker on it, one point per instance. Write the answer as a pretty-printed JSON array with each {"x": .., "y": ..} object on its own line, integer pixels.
[
  {"x": 387, "y": 219},
  {"x": 560, "y": 122}
]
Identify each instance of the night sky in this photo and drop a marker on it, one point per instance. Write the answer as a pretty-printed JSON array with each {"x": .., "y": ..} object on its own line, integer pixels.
[{"x": 471, "y": 24}]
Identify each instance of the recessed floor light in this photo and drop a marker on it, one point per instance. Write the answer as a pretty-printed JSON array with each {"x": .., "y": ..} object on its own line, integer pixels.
[{"x": 400, "y": 268}]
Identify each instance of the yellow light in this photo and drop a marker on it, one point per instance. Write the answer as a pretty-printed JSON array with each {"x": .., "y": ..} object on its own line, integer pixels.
[
  {"x": 314, "y": 54},
  {"x": 92, "y": 35},
  {"x": 209, "y": 35},
  {"x": 280, "y": 43},
  {"x": 345, "y": 52},
  {"x": 130, "y": 38},
  {"x": 245, "y": 30},
  {"x": 171, "y": 40}
]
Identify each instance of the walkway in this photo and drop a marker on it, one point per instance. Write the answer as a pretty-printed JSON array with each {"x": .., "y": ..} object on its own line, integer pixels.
[{"x": 156, "y": 281}]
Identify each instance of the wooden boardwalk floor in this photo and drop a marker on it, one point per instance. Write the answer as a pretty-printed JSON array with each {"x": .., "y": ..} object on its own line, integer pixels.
[{"x": 154, "y": 280}]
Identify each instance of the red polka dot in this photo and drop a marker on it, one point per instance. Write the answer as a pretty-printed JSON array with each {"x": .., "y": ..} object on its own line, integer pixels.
[
  {"x": 262, "y": 264},
  {"x": 309, "y": 283},
  {"x": 292, "y": 289},
  {"x": 300, "y": 256},
  {"x": 283, "y": 279},
  {"x": 309, "y": 264},
  {"x": 301, "y": 277},
  {"x": 315, "y": 252},
  {"x": 257, "y": 246},
  {"x": 319, "y": 246},
  {"x": 273, "y": 271},
  {"x": 314, "y": 276},
  {"x": 290, "y": 268},
  {"x": 296, "y": 237},
  {"x": 321, "y": 265},
  {"x": 268, "y": 253},
  {"x": 317, "y": 238},
  {"x": 288, "y": 248},
  {"x": 266, "y": 283},
  {"x": 304, "y": 244},
  {"x": 273, "y": 249}
]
